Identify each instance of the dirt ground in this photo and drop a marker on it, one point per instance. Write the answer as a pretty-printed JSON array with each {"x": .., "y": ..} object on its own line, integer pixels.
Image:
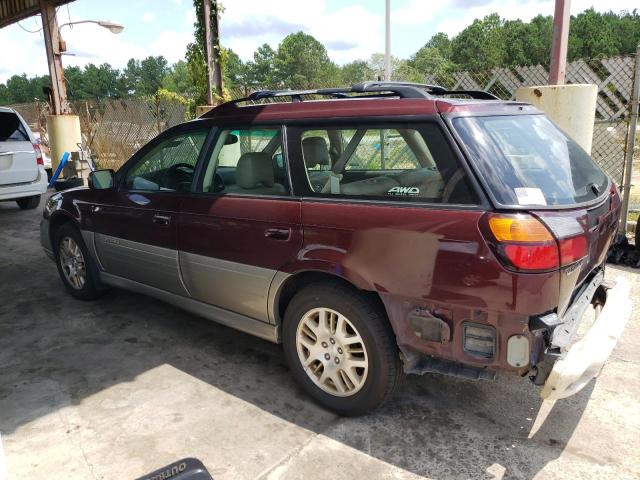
[{"x": 119, "y": 387}]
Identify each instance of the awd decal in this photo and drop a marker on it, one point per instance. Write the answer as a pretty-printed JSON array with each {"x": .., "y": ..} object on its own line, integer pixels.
[{"x": 404, "y": 191}]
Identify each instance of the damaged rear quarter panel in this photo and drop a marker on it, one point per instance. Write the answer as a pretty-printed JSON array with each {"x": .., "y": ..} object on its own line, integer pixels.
[{"x": 425, "y": 259}]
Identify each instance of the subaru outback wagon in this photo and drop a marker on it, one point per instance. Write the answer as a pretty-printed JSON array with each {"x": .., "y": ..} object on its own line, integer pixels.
[{"x": 376, "y": 230}]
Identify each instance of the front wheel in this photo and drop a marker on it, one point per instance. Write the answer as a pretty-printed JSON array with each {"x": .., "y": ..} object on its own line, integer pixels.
[
  {"x": 75, "y": 266},
  {"x": 340, "y": 348}
]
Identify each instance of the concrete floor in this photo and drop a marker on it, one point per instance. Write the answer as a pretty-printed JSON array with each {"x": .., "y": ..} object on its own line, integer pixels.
[{"x": 122, "y": 386}]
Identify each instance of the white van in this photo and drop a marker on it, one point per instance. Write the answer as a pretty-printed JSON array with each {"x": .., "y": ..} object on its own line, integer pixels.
[{"x": 22, "y": 172}]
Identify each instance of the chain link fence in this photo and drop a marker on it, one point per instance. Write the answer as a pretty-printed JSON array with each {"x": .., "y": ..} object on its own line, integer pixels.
[{"x": 112, "y": 130}]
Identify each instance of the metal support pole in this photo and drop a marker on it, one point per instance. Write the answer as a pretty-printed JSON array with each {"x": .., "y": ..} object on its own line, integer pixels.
[
  {"x": 561, "y": 19},
  {"x": 209, "y": 47},
  {"x": 387, "y": 41},
  {"x": 59, "y": 105},
  {"x": 630, "y": 144}
]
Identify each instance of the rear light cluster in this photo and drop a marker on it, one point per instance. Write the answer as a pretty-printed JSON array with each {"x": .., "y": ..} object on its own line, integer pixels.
[
  {"x": 524, "y": 243},
  {"x": 39, "y": 159}
]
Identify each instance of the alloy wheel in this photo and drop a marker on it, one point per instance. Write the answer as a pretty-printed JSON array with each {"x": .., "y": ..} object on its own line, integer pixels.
[
  {"x": 72, "y": 263},
  {"x": 332, "y": 352}
]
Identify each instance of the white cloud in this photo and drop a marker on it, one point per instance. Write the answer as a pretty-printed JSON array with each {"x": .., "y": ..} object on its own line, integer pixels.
[{"x": 148, "y": 17}]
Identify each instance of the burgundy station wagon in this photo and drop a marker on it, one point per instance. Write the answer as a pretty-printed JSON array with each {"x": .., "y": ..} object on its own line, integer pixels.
[{"x": 372, "y": 230}]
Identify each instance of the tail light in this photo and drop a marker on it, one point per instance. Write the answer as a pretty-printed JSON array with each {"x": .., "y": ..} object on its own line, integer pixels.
[
  {"x": 39, "y": 159},
  {"x": 524, "y": 243}
]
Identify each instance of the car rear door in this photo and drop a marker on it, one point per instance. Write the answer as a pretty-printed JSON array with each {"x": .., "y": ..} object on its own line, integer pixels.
[
  {"x": 135, "y": 225},
  {"x": 18, "y": 162},
  {"x": 241, "y": 225}
]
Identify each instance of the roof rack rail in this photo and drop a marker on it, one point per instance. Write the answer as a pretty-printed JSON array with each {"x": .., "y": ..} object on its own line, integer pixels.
[{"x": 365, "y": 90}]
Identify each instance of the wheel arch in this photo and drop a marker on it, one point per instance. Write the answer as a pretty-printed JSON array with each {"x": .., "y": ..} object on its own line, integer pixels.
[
  {"x": 289, "y": 285},
  {"x": 57, "y": 220}
]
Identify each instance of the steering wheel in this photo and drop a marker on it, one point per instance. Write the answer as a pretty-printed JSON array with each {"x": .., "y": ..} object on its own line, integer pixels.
[{"x": 177, "y": 174}]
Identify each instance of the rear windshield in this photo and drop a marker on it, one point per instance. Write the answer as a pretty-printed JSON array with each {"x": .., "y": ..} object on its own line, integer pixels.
[
  {"x": 11, "y": 128},
  {"x": 527, "y": 160}
]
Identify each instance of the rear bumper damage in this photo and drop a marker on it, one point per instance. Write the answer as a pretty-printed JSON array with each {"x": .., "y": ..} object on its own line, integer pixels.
[{"x": 577, "y": 364}]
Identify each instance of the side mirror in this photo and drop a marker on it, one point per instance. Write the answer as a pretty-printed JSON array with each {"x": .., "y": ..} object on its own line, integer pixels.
[{"x": 102, "y": 179}]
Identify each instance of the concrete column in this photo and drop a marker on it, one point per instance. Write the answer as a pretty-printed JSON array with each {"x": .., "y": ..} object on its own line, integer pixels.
[
  {"x": 64, "y": 136},
  {"x": 572, "y": 107}
]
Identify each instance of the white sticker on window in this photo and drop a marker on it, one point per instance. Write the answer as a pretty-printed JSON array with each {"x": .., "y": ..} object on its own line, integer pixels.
[
  {"x": 404, "y": 191},
  {"x": 530, "y": 196}
]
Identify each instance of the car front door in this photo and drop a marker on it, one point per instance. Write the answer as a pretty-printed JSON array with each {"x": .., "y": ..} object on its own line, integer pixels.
[
  {"x": 241, "y": 223},
  {"x": 135, "y": 224}
]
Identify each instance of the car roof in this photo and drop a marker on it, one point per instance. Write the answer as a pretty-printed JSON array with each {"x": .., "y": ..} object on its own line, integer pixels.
[
  {"x": 379, "y": 99},
  {"x": 7, "y": 110},
  {"x": 361, "y": 107}
]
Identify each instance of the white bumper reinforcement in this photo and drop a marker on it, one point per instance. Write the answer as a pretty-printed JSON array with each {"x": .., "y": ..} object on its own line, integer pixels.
[{"x": 587, "y": 356}]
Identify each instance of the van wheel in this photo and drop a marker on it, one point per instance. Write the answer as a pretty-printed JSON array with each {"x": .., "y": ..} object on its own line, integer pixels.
[
  {"x": 28, "y": 203},
  {"x": 340, "y": 348},
  {"x": 75, "y": 266}
]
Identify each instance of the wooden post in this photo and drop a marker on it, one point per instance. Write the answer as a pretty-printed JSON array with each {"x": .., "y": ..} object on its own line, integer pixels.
[
  {"x": 206, "y": 8},
  {"x": 60, "y": 105},
  {"x": 561, "y": 19},
  {"x": 217, "y": 68}
]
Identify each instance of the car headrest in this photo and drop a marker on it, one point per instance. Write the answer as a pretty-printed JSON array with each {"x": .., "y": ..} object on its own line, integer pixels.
[
  {"x": 315, "y": 152},
  {"x": 254, "y": 170}
]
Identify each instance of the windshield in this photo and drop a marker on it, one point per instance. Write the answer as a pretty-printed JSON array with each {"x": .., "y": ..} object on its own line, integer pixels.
[{"x": 527, "y": 160}]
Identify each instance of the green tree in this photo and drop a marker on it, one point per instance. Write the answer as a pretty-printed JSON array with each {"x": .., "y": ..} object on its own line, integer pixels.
[
  {"x": 480, "y": 46},
  {"x": 152, "y": 71},
  {"x": 356, "y": 72},
  {"x": 430, "y": 61},
  {"x": 302, "y": 62},
  {"x": 177, "y": 79},
  {"x": 261, "y": 72},
  {"x": 591, "y": 35},
  {"x": 441, "y": 42}
]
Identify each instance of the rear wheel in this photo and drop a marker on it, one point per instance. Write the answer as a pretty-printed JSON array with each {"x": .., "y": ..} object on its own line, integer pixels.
[
  {"x": 28, "y": 203},
  {"x": 340, "y": 348},
  {"x": 75, "y": 266}
]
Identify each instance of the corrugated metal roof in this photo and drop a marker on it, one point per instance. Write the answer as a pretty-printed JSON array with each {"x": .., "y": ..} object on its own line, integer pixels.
[{"x": 12, "y": 11}]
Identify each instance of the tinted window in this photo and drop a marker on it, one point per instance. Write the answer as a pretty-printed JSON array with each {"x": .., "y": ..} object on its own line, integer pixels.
[
  {"x": 170, "y": 165},
  {"x": 247, "y": 162},
  {"x": 11, "y": 128},
  {"x": 527, "y": 160},
  {"x": 408, "y": 162}
]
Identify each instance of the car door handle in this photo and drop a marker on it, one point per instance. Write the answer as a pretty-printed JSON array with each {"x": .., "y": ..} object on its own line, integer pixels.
[
  {"x": 161, "y": 219},
  {"x": 278, "y": 233}
]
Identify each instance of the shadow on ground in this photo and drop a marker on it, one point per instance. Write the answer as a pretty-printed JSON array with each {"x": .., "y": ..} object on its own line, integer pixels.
[{"x": 56, "y": 351}]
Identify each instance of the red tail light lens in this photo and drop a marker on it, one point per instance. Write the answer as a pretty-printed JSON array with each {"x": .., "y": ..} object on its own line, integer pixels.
[
  {"x": 533, "y": 257},
  {"x": 39, "y": 159},
  {"x": 573, "y": 249},
  {"x": 522, "y": 242}
]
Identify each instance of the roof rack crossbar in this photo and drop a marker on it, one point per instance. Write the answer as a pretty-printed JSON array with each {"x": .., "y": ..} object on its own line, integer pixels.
[{"x": 366, "y": 90}]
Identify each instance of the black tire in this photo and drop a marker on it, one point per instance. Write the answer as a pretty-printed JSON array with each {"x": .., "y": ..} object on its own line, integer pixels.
[
  {"x": 91, "y": 289},
  {"x": 370, "y": 320},
  {"x": 638, "y": 234},
  {"x": 28, "y": 203}
]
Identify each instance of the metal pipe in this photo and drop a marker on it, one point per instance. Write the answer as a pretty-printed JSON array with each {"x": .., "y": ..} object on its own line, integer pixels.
[
  {"x": 561, "y": 19},
  {"x": 630, "y": 144},
  {"x": 387, "y": 41}
]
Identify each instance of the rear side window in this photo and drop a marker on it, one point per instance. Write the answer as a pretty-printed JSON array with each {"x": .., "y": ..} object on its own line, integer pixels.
[
  {"x": 527, "y": 160},
  {"x": 11, "y": 128},
  {"x": 410, "y": 162}
]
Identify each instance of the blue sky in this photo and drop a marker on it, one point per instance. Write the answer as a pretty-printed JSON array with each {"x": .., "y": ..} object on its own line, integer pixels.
[{"x": 351, "y": 29}]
